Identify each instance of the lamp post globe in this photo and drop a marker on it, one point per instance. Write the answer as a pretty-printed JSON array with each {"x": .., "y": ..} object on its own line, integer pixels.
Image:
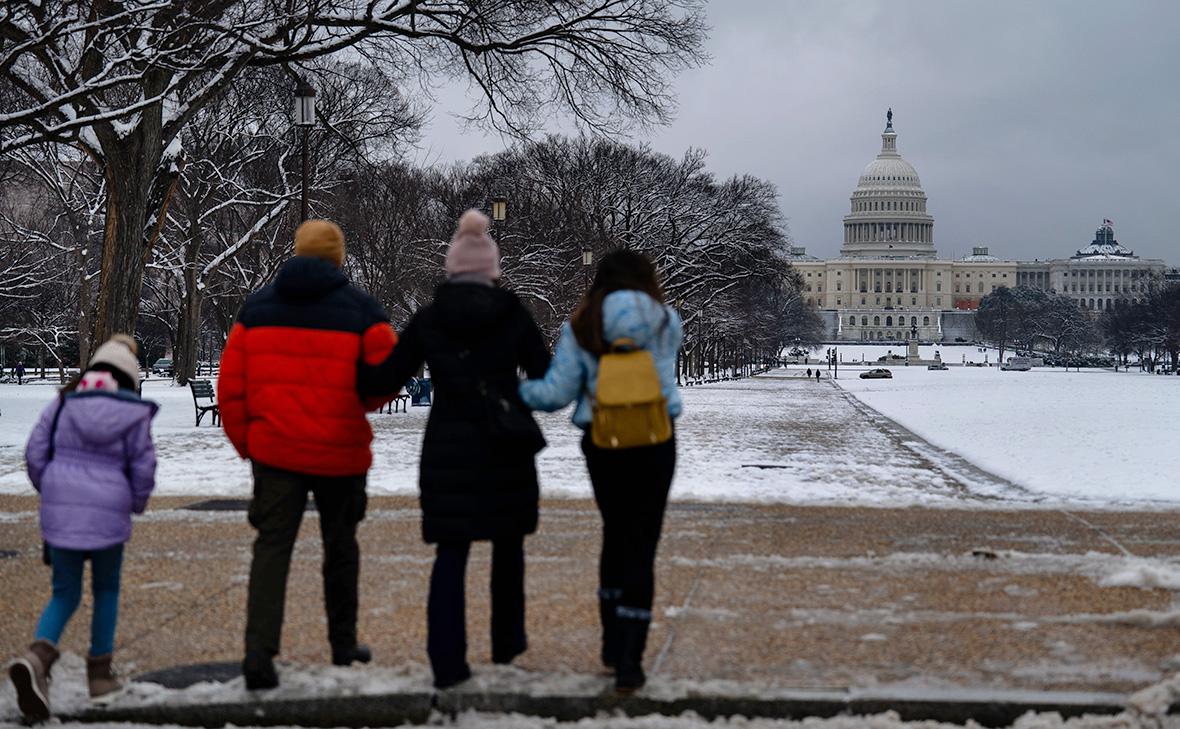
[
  {"x": 305, "y": 120},
  {"x": 499, "y": 209}
]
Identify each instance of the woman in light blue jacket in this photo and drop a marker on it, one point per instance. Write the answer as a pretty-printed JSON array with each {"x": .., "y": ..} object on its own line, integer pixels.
[{"x": 630, "y": 485}]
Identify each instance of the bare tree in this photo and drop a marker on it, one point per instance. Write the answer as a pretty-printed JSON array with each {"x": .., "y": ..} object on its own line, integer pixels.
[
  {"x": 242, "y": 178},
  {"x": 121, "y": 81}
]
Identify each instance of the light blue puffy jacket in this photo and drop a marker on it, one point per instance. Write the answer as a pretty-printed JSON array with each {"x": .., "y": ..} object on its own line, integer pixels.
[{"x": 625, "y": 314}]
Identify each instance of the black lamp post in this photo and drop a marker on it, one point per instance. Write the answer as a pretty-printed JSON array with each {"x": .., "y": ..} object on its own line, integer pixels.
[
  {"x": 305, "y": 120},
  {"x": 587, "y": 263}
]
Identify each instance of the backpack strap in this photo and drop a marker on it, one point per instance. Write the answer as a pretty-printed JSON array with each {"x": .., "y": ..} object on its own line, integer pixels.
[
  {"x": 53, "y": 428},
  {"x": 624, "y": 344}
]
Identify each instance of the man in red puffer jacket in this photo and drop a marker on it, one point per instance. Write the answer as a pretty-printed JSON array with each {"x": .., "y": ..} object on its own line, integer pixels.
[{"x": 289, "y": 403}]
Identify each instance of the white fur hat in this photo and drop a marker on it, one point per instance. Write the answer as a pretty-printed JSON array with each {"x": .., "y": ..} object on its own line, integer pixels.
[{"x": 117, "y": 353}]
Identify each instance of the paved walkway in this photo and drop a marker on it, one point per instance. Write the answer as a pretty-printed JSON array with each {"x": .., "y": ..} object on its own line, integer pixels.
[{"x": 778, "y": 595}]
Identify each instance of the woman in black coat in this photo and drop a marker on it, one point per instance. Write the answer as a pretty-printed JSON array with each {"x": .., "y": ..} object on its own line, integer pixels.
[{"x": 478, "y": 478}]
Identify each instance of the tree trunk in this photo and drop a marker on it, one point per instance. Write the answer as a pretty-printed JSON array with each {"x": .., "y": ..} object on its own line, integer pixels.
[
  {"x": 124, "y": 249},
  {"x": 84, "y": 313},
  {"x": 139, "y": 187},
  {"x": 189, "y": 331}
]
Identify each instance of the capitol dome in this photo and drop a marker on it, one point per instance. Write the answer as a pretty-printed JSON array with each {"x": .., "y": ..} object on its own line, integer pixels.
[
  {"x": 888, "y": 218},
  {"x": 889, "y": 172}
]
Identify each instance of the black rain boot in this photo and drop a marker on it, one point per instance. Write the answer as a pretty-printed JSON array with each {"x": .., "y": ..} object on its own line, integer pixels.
[
  {"x": 259, "y": 671},
  {"x": 608, "y": 603},
  {"x": 633, "y": 625},
  {"x": 359, "y": 653}
]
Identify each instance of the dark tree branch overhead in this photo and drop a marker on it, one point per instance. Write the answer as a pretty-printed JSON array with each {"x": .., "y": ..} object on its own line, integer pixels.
[{"x": 122, "y": 80}]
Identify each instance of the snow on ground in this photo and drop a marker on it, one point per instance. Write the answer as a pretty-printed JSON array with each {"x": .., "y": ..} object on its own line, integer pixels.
[
  {"x": 1091, "y": 435},
  {"x": 1093, "y": 438},
  {"x": 890, "y": 720},
  {"x": 778, "y": 438},
  {"x": 1146, "y": 708}
]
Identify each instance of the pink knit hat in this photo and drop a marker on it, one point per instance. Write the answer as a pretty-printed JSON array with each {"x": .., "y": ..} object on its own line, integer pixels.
[{"x": 472, "y": 250}]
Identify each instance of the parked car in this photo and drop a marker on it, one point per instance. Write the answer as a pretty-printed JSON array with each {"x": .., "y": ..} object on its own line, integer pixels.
[
  {"x": 937, "y": 366},
  {"x": 162, "y": 367},
  {"x": 877, "y": 374}
]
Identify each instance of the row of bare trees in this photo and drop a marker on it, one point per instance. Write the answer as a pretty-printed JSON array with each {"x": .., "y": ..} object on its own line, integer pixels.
[
  {"x": 1149, "y": 329},
  {"x": 719, "y": 244},
  {"x": 1046, "y": 322},
  {"x": 226, "y": 226},
  {"x": 115, "y": 89}
]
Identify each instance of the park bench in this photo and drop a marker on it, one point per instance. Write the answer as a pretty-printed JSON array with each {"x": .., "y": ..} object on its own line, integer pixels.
[
  {"x": 203, "y": 390},
  {"x": 399, "y": 400}
]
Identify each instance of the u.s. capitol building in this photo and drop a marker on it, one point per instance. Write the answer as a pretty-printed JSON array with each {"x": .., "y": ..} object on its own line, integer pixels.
[{"x": 889, "y": 282}]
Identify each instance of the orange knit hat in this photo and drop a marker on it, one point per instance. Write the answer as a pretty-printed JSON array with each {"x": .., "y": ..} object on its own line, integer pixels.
[{"x": 320, "y": 239}]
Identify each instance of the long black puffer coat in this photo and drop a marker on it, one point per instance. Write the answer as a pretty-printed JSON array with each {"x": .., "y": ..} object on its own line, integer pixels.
[{"x": 470, "y": 490}]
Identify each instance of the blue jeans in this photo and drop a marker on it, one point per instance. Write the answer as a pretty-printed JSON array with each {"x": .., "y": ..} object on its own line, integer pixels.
[{"x": 105, "y": 566}]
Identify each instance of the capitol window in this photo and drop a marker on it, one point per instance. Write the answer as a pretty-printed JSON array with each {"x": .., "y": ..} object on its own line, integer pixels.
[
  {"x": 864, "y": 321},
  {"x": 925, "y": 321},
  {"x": 852, "y": 320}
]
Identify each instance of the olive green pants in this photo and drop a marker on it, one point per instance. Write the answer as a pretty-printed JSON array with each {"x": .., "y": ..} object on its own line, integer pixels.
[{"x": 276, "y": 511}]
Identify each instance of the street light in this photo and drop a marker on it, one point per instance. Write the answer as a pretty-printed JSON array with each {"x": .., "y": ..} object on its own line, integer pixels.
[
  {"x": 305, "y": 120},
  {"x": 587, "y": 262},
  {"x": 499, "y": 209}
]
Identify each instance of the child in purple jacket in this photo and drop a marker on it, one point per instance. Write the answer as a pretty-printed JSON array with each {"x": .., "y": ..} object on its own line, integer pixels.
[{"x": 91, "y": 458}]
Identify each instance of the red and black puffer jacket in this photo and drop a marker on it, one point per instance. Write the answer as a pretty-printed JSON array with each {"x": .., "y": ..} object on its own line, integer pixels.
[{"x": 288, "y": 383}]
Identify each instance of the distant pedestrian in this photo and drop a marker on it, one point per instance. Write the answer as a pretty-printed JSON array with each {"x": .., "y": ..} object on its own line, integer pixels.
[
  {"x": 289, "y": 402},
  {"x": 91, "y": 458},
  {"x": 20, "y": 373},
  {"x": 817, "y": 374},
  {"x": 809, "y": 373},
  {"x": 624, "y": 312},
  {"x": 478, "y": 475}
]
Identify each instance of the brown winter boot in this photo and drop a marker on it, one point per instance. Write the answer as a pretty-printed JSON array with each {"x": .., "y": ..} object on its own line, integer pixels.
[
  {"x": 103, "y": 685},
  {"x": 30, "y": 676}
]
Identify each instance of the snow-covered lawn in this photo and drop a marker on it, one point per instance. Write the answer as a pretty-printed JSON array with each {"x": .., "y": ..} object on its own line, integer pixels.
[
  {"x": 1095, "y": 437},
  {"x": 779, "y": 438},
  {"x": 1095, "y": 434}
]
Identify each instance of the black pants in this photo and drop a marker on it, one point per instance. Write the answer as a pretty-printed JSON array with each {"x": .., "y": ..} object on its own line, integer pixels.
[
  {"x": 446, "y": 625},
  {"x": 276, "y": 511},
  {"x": 631, "y": 489}
]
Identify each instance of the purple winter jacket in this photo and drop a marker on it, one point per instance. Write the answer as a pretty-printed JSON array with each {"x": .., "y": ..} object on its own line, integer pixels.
[{"x": 103, "y": 468}]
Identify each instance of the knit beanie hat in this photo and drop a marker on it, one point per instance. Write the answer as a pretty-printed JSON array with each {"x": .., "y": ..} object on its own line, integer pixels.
[
  {"x": 320, "y": 239},
  {"x": 472, "y": 250},
  {"x": 117, "y": 353}
]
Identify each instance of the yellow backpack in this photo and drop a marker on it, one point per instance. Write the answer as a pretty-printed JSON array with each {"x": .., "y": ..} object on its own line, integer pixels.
[{"x": 629, "y": 406}]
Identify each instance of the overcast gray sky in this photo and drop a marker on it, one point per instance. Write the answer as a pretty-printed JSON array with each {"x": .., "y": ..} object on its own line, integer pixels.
[{"x": 1029, "y": 121}]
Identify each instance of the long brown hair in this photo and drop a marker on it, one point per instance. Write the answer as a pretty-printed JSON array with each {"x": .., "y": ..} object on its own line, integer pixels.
[{"x": 620, "y": 270}]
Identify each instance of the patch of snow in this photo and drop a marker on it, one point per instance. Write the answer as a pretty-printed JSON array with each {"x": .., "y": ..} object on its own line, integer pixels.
[{"x": 1090, "y": 435}]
